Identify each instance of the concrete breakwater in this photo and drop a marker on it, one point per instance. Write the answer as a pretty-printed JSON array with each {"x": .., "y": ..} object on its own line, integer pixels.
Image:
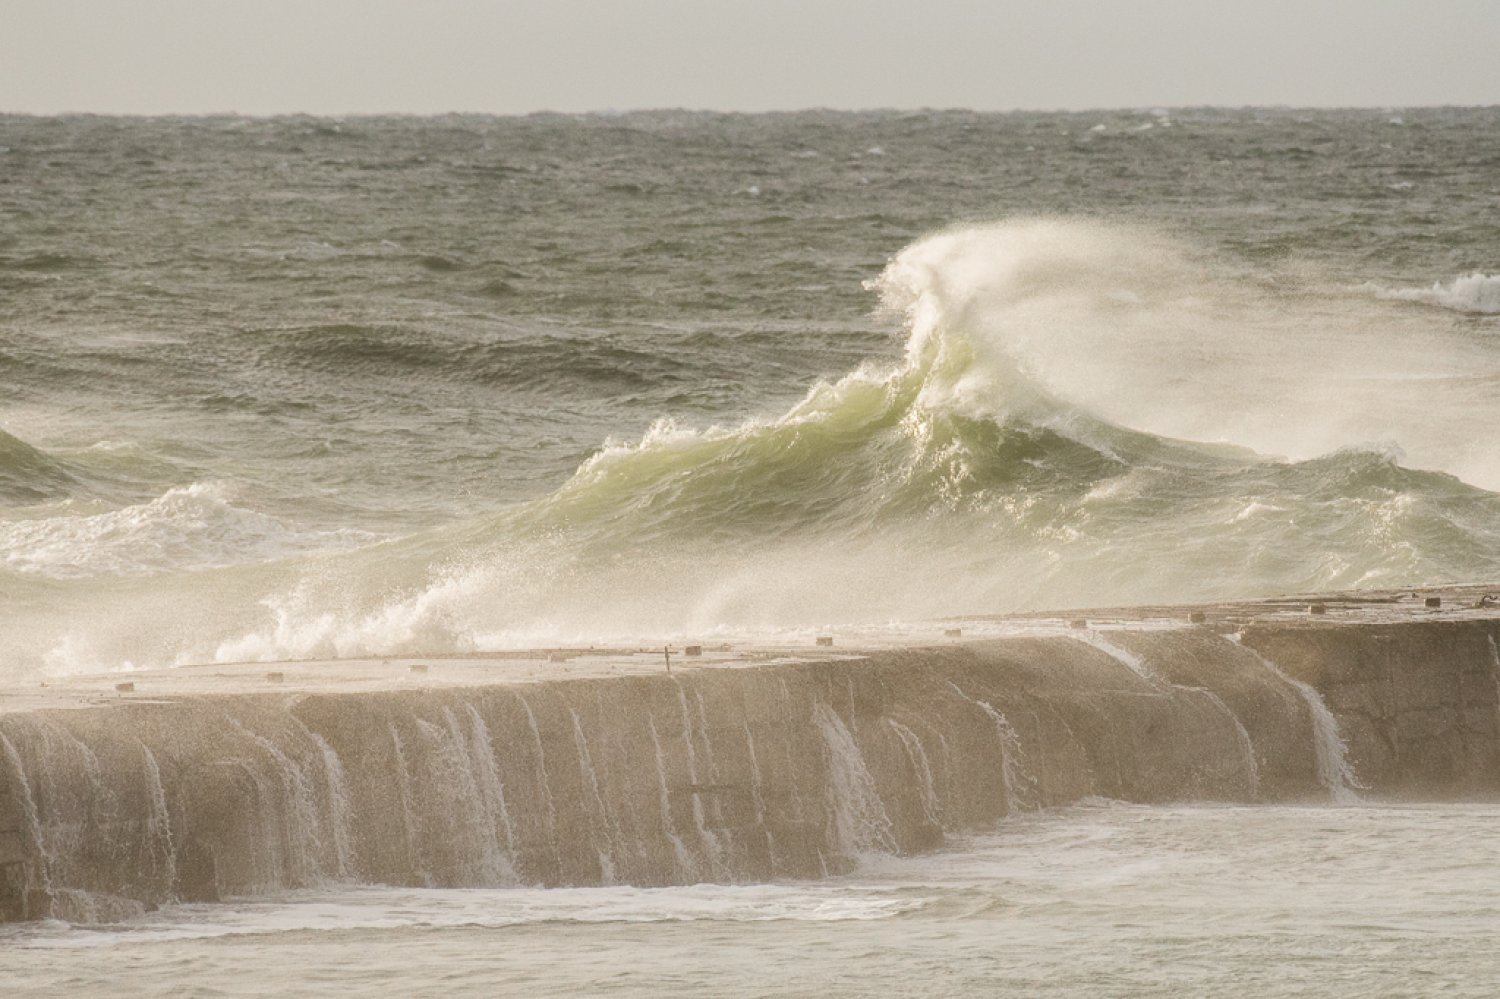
[{"x": 728, "y": 771}]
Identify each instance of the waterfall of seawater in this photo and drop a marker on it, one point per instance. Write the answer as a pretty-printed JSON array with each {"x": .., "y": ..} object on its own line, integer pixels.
[
  {"x": 859, "y": 818},
  {"x": 780, "y": 771},
  {"x": 1332, "y": 755},
  {"x": 1012, "y": 778},
  {"x": 1495, "y": 674},
  {"x": 1138, "y": 666}
]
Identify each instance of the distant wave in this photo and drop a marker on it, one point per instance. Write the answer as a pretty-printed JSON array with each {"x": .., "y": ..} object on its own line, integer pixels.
[
  {"x": 42, "y": 262},
  {"x": 1475, "y": 293},
  {"x": 525, "y": 360}
]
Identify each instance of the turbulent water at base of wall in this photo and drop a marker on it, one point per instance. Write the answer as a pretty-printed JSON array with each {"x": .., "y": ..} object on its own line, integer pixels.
[
  {"x": 799, "y": 770},
  {"x": 303, "y": 387}
]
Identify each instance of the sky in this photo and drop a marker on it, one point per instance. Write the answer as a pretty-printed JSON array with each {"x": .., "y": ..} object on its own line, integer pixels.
[{"x": 518, "y": 56}]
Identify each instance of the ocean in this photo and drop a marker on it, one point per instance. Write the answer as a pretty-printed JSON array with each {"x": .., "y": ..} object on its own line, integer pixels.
[{"x": 299, "y": 388}]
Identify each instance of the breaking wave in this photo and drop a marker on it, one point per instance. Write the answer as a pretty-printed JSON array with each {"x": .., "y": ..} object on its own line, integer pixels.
[{"x": 1475, "y": 293}]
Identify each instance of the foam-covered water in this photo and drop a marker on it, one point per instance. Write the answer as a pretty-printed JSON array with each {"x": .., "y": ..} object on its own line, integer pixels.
[
  {"x": 301, "y": 387},
  {"x": 1101, "y": 899}
]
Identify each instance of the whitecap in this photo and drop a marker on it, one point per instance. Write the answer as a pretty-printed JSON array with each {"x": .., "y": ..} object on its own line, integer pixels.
[{"x": 1475, "y": 293}]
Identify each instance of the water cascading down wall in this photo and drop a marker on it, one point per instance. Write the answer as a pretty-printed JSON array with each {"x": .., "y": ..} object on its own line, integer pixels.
[{"x": 792, "y": 770}]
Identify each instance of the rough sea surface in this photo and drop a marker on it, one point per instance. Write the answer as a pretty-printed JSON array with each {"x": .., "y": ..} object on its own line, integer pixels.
[{"x": 300, "y": 386}]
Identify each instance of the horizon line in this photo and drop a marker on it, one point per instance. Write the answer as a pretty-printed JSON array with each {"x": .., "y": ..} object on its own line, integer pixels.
[{"x": 809, "y": 109}]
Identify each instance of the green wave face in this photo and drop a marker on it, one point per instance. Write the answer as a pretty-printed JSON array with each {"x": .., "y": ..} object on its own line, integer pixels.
[{"x": 27, "y": 475}]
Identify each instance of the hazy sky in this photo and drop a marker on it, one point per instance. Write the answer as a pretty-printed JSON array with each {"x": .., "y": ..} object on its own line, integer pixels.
[{"x": 336, "y": 56}]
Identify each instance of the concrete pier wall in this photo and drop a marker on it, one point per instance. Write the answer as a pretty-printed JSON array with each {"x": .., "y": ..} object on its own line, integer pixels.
[{"x": 727, "y": 773}]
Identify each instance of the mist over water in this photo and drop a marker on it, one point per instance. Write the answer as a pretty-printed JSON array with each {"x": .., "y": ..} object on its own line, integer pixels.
[{"x": 301, "y": 387}]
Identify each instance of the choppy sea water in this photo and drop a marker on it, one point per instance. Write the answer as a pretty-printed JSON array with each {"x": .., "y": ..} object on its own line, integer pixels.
[
  {"x": 1100, "y": 899},
  {"x": 306, "y": 387}
]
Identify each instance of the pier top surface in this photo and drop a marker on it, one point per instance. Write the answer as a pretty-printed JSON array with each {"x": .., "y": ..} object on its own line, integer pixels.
[{"x": 484, "y": 668}]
